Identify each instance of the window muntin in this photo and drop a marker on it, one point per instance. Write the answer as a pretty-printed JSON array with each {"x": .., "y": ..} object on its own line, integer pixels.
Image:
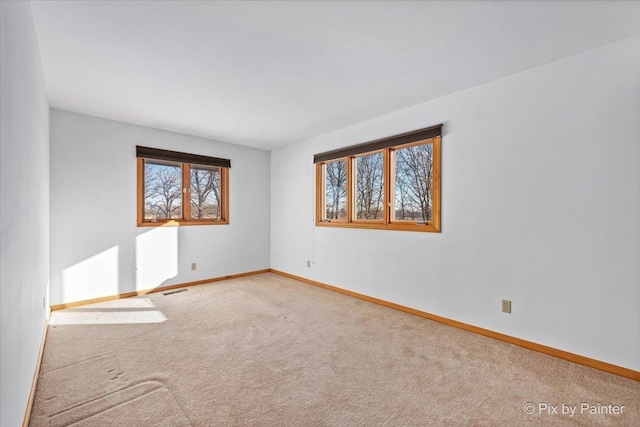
[
  {"x": 395, "y": 188},
  {"x": 369, "y": 187},
  {"x": 335, "y": 190},
  {"x": 181, "y": 193}
]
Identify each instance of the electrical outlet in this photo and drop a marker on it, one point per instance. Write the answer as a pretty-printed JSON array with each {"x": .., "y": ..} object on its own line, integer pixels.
[
  {"x": 193, "y": 266},
  {"x": 44, "y": 302},
  {"x": 308, "y": 263},
  {"x": 506, "y": 306}
]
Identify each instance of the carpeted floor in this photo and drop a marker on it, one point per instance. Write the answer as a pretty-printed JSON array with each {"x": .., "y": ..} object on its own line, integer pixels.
[{"x": 270, "y": 351}]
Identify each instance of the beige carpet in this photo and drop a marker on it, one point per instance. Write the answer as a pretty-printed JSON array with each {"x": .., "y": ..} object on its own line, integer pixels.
[{"x": 270, "y": 351}]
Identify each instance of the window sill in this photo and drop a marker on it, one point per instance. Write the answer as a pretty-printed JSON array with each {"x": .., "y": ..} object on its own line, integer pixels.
[
  {"x": 429, "y": 227},
  {"x": 175, "y": 223}
]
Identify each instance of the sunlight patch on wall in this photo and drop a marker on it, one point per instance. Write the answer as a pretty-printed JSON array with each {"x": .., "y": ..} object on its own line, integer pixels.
[
  {"x": 156, "y": 257},
  {"x": 94, "y": 277}
]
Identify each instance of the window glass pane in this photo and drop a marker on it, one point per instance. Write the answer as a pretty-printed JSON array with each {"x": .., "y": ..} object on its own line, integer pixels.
[
  {"x": 413, "y": 183},
  {"x": 162, "y": 190},
  {"x": 205, "y": 192},
  {"x": 369, "y": 187},
  {"x": 335, "y": 179}
]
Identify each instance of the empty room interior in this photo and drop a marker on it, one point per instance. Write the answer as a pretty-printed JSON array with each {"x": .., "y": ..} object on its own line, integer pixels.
[{"x": 358, "y": 213}]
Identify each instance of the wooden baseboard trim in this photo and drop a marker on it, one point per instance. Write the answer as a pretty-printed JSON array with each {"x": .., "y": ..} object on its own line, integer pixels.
[
  {"x": 36, "y": 374},
  {"x": 571, "y": 357},
  {"x": 150, "y": 291}
]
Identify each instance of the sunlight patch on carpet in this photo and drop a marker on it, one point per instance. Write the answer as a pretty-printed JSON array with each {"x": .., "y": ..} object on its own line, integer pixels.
[{"x": 106, "y": 316}]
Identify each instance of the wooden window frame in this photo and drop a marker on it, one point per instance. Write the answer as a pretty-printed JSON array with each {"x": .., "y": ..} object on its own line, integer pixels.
[
  {"x": 185, "y": 199},
  {"x": 322, "y": 189},
  {"x": 433, "y": 226}
]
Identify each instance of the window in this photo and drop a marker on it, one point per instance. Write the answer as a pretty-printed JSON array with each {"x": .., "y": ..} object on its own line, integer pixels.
[
  {"x": 205, "y": 192},
  {"x": 392, "y": 183},
  {"x": 369, "y": 179},
  {"x": 181, "y": 188},
  {"x": 336, "y": 190},
  {"x": 162, "y": 190},
  {"x": 413, "y": 183}
]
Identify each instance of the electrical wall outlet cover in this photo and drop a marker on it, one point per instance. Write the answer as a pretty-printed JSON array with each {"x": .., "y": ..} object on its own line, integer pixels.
[
  {"x": 193, "y": 266},
  {"x": 308, "y": 264},
  {"x": 506, "y": 306}
]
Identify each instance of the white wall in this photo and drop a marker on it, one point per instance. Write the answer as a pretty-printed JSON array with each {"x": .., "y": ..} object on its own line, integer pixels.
[
  {"x": 97, "y": 249},
  {"x": 24, "y": 207},
  {"x": 540, "y": 205}
]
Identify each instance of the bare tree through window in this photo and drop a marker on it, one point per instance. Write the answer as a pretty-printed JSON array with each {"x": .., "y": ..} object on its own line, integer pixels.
[
  {"x": 370, "y": 186},
  {"x": 336, "y": 190},
  {"x": 162, "y": 190},
  {"x": 205, "y": 192},
  {"x": 414, "y": 183}
]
